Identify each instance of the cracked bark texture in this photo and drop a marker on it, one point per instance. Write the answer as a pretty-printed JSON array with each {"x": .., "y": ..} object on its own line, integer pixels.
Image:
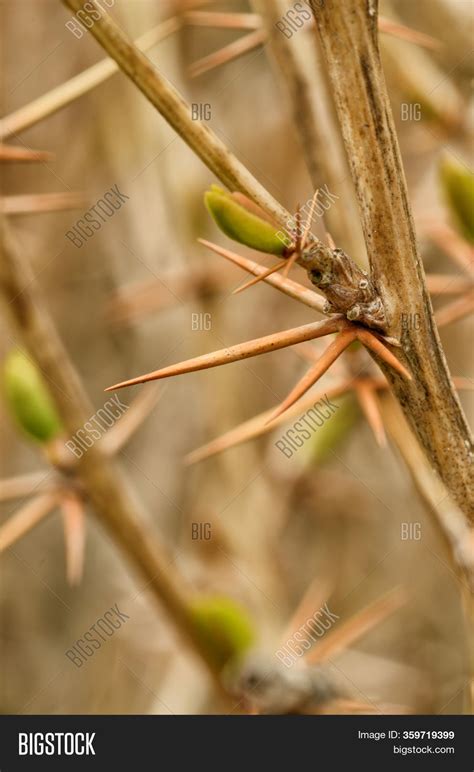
[{"x": 348, "y": 33}]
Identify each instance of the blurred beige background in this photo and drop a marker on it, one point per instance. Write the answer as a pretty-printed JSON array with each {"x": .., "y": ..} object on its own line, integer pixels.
[{"x": 277, "y": 523}]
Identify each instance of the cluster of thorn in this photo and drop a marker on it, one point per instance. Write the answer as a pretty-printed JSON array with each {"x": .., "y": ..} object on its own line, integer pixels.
[
  {"x": 347, "y": 288},
  {"x": 266, "y": 686},
  {"x": 346, "y": 332},
  {"x": 359, "y": 377}
]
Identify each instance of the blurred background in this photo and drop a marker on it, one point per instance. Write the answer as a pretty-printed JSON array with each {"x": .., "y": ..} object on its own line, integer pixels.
[{"x": 141, "y": 294}]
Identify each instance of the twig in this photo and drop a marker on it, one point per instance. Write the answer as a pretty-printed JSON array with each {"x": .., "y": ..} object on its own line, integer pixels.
[{"x": 254, "y": 22}]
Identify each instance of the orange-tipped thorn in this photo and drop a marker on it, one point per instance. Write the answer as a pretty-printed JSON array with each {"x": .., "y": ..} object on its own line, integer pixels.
[
  {"x": 291, "y": 288},
  {"x": 408, "y": 33},
  {"x": 289, "y": 263},
  {"x": 74, "y": 521},
  {"x": 371, "y": 341},
  {"x": 258, "y": 37},
  {"x": 313, "y": 599},
  {"x": 310, "y": 219},
  {"x": 334, "y": 350},
  {"x": 260, "y": 424},
  {"x": 345, "y": 633},
  {"x": 463, "y": 383},
  {"x": 262, "y": 277},
  {"x": 297, "y": 246},
  {"x": 240, "y": 351},
  {"x": 26, "y": 518},
  {"x": 367, "y": 397}
]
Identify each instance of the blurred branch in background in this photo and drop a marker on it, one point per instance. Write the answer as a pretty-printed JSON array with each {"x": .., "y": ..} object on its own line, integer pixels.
[
  {"x": 118, "y": 511},
  {"x": 457, "y": 534},
  {"x": 81, "y": 84}
]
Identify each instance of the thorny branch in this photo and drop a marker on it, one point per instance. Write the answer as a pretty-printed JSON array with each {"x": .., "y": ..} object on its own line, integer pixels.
[
  {"x": 348, "y": 34},
  {"x": 352, "y": 291},
  {"x": 349, "y": 42}
]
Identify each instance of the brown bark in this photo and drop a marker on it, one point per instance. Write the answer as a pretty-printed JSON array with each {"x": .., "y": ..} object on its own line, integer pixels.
[{"x": 348, "y": 34}]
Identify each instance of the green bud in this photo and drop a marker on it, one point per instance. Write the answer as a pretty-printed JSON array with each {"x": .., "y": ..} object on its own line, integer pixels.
[
  {"x": 28, "y": 398},
  {"x": 242, "y": 225},
  {"x": 224, "y": 627},
  {"x": 334, "y": 430},
  {"x": 458, "y": 187}
]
